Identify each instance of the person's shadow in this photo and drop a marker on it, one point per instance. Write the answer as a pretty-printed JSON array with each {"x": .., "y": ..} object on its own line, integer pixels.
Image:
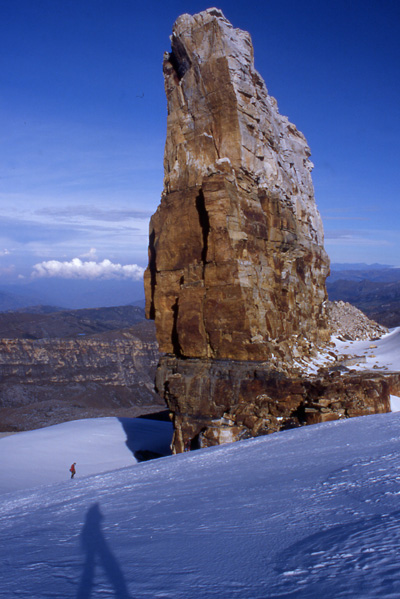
[{"x": 98, "y": 552}]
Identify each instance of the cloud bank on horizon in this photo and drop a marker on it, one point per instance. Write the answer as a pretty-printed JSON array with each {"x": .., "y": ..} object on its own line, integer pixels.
[{"x": 78, "y": 269}]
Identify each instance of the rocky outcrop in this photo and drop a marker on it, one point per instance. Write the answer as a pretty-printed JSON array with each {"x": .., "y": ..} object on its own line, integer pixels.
[
  {"x": 378, "y": 298},
  {"x": 348, "y": 322},
  {"x": 223, "y": 401},
  {"x": 47, "y": 381},
  {"x": 237, "y": 268}
]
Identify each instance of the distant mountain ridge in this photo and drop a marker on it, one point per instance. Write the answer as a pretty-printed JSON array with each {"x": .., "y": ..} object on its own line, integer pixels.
[
  {"x": 375, "y": 272},
  {"x": 72, "y": 294},
  {"x": 359, "y": 266},
  {"x": 46, "y": 322},
  {"x": 14, "y": 301},
  {"x": 374, "y": 289}
]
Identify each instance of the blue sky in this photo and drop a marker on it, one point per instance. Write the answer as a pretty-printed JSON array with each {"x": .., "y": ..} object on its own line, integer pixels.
[{"x": 83, "y": 118}]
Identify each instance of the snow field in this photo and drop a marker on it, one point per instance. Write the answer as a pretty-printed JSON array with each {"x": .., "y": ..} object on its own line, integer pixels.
[
  {"x": 379, "y": 355},
  {"x": 382, "y": 354},
  {"x": 44, "y": 456},
  {"x": 312, "y": 512}
]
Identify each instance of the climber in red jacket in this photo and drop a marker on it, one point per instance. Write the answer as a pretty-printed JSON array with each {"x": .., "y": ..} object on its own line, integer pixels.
[{"x": 72, "y": 470}]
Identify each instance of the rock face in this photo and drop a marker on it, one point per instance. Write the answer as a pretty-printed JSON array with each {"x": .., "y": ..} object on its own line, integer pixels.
[
  {"x": 222, "y": 401},
  {"x": 237, "y": 265},
  {"x": 47, "y": 381},
  {"x": 237, "y": 268}
]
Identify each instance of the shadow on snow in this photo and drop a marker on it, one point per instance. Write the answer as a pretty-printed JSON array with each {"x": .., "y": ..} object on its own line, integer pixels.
[
  {"x": 147, "y": 439},
  {"x": 98, "y": 553}
]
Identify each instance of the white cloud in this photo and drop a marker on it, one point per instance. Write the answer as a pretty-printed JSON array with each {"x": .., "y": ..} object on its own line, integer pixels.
[
  {"x": 4, "y": 252},
  {"x": 76, "y": 269}
]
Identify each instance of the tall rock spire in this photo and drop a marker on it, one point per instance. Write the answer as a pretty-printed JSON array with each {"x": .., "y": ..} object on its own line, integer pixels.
[{"x": 237, "y": 266}]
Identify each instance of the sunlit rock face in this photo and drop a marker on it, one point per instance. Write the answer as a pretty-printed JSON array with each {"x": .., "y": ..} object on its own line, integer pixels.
[{"x": 237, "y": 266}]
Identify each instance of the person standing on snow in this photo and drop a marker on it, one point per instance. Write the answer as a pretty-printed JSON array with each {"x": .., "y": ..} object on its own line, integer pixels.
[{"x": 73, "y": 470}]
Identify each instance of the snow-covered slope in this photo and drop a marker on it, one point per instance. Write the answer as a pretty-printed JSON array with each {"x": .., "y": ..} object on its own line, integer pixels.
[
  {"x": 43, "y": 456},
  {"x": 373, "y": 355},
  {"x": 382, "y": 354},
  {"x": 312, "y": 512}
]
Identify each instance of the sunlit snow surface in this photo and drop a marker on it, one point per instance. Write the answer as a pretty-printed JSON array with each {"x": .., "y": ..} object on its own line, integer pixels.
[
  {"x": 378, "y": 355},
  {"x": 382, "y": 354},
  {"x": 45, "y": 455},
  {"x": 312, "y": 512},
  {"x": 308, "y": 513}
]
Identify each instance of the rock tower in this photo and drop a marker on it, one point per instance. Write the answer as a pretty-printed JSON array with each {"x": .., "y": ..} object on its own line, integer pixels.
[{"x": 237, "y": 268}]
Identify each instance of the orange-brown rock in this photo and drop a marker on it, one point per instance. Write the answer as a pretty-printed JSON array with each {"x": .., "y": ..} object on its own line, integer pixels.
[
  {"x": 220, "y": 401},
  {"x": 237, "y": 266}
]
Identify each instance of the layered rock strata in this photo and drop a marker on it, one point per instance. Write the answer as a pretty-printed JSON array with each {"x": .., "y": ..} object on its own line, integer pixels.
[
  {"x": 222, "y": 401},
  {"x": 237, "y": 267},
  {"x": 47, "y": 381}
]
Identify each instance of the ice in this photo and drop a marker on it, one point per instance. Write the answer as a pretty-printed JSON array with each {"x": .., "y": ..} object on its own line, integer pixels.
[{"x": 395, "y": 403}]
